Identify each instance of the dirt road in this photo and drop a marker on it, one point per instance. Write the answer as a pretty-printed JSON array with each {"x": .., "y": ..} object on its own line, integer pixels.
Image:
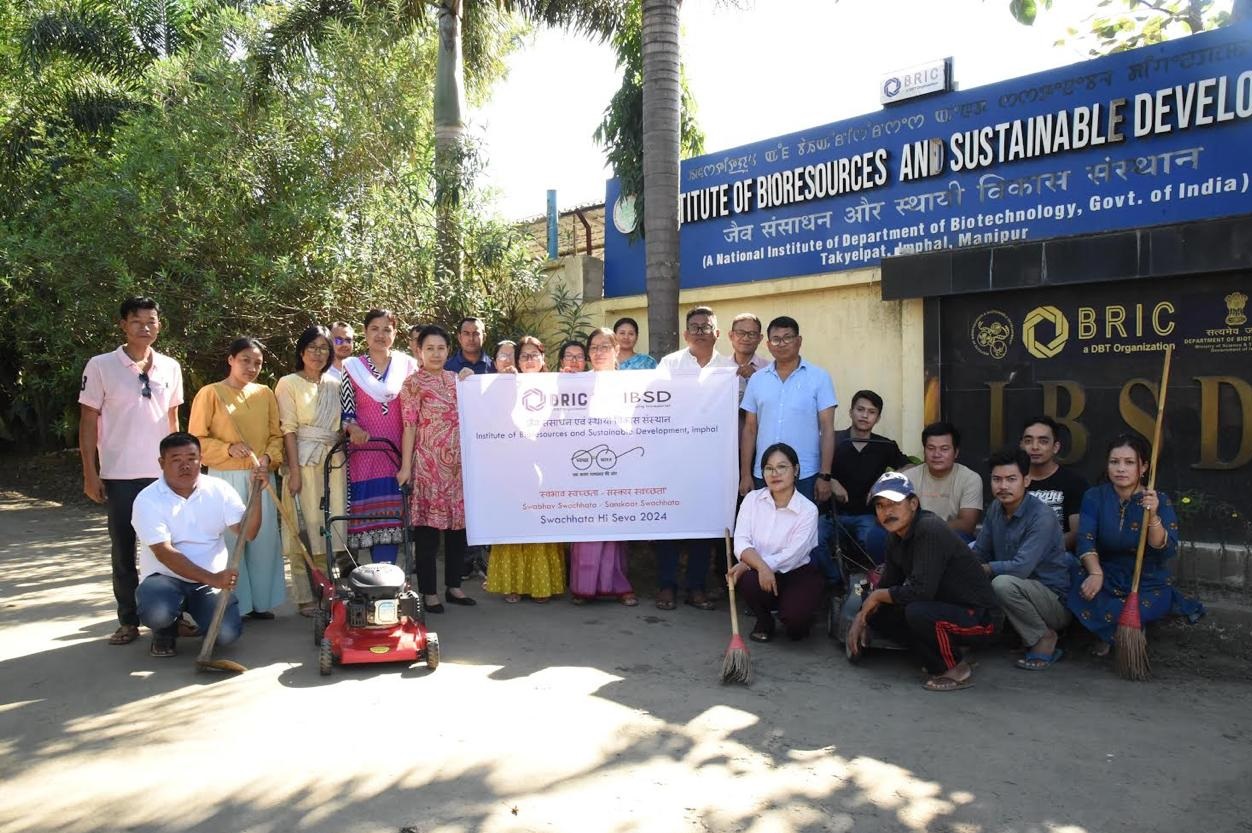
[{"x": 557, "y": 718}]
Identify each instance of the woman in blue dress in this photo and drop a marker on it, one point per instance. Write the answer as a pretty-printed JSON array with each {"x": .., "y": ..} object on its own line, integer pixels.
[
  {"x": 1108, "y": 536},
  {"x": 627, "y": 332}
]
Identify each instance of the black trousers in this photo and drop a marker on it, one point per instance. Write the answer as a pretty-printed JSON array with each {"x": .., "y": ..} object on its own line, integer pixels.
[
  {"x": 426, "y": 544},
  {"x": 120, "y": 498},
  {"x": 935, "y": 629}
]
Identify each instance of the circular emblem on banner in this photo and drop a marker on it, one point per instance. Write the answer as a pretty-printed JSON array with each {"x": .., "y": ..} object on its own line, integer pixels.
[
  {"x": 624, "y": 217},
  {"x": 1039, "y": 321},
  {"x": 992, "y": 334},
  {"x": 891, "y": 87}
]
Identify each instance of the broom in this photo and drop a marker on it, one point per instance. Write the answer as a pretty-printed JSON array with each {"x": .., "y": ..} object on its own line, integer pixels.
[
  {"x": 1131, "y": 657},
  {"x": 205, "y": 661},
  {"x": 736, "y": 665}
]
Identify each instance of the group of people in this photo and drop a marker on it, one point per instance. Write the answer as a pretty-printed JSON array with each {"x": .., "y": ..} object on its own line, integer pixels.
[{"x": 1048, "y": 550}]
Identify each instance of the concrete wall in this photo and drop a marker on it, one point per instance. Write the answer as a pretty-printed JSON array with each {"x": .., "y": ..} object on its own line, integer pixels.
[{"x": 862, "y": 341}]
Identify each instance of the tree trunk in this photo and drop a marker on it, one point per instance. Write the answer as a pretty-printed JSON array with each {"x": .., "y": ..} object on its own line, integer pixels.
[
  {"x": 662, "y": 102},
  {"x": 449, "y": 144}
]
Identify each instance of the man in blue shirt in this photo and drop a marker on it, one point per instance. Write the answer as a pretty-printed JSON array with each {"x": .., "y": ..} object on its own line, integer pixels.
[
  {"x": 791, "y": 401},
  {"x": 470, "y": 334},
  {"x": 1023, "y": 551},
  {"x": 471, "y": 360}
]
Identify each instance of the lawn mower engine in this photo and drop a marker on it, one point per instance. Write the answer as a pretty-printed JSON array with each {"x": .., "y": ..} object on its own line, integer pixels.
[{"x": 379, "y": 597}]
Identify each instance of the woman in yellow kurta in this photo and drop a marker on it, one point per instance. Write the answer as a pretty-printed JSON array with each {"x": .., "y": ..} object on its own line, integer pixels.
[
  {"x": 308, "y": 415},
  {"x": 535, "y": 570},
  {"x": 234, "y": 419}
]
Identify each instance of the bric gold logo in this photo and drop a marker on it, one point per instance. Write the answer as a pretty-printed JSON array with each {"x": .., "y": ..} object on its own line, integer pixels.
[
  {"x": 992, "y": 334},
  {"x": 1032, "y": 338},
  {"x": 1235, "y": 304}
]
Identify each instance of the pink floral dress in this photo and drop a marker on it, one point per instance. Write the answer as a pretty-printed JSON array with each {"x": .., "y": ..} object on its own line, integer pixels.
[{"x": 428, "y": 400}]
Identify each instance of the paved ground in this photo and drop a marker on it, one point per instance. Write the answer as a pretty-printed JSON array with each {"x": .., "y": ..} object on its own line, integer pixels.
[{"x": 572, "y": 719}]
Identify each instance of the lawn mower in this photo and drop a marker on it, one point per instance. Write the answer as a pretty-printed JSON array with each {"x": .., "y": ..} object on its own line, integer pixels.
[
  {"x": 860, "y": 577},
  {"x": 369, "y": 612}
]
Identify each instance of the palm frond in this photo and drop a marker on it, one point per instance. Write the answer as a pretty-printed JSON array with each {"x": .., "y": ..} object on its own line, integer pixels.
[
  {"x": 305, "y": 26},
  {"x": 596, "y": 18},
  {"x": 87, "y": 30}
]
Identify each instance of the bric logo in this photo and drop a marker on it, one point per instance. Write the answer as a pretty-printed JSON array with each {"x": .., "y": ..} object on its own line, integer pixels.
[
  {"x": 1048, "y": 316},
  {"x": 891, "y": 87},
  {"x": 533, "y": 400}
]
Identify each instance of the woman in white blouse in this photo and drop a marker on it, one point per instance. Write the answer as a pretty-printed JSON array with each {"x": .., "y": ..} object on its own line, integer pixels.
[{"x": 775, "y": 532}]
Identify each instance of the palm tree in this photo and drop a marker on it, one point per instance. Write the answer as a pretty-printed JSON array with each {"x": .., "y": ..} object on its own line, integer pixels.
[
  {"x": 460, "y": 24},
  {"x": 662, "y": 116}
]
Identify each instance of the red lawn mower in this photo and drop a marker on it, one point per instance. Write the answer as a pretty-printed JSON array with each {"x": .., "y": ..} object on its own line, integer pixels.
[{"x": 368, "y": 612}]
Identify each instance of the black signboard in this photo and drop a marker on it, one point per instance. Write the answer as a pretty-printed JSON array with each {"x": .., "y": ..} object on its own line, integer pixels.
[{"x": 1091, "y": 356}]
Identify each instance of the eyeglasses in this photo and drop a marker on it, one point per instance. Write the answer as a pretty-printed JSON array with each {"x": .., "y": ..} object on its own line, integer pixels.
[
  {"x": 701, "y": 329},
  {"x": 573, "y": 360},
  {"x": 339, "y": 340},
  {"x": 146, "y": 390},
  {"x": 602, "y": 348},
  {"x": 782, "y": 341},
  {"x": 782, "y": 468},
  {"x": 529, "y": 357},
  {"x": 746, "y": 334},
  {"x": 317, "y": 350}
]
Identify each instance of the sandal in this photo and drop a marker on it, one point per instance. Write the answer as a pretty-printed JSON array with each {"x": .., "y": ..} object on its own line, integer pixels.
[
  {"x": 512, "y": 598},
  {"x": 541, "y": 600},
  {"x": 308, "y": 610},
  {"x": 629, "y": 600},
  {"x": 578, "y": 600},
  {"x": 665, "y": 600},
  {"x": 941, "y": 683},
  {"x": 699, "y": 601},
  {"x": 760, "y": 636},
  {"x": 124, "y": 635},
  {"x": 162, "y": 647},
  {"x": 1035, "y": 661}
]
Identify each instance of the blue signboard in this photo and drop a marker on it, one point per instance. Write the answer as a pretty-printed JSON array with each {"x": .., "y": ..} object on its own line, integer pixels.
[{"x": 1158, "y": 135}]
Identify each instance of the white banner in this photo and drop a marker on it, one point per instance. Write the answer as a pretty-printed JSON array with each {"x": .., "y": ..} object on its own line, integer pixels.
[{"x": 632, "y": 455}]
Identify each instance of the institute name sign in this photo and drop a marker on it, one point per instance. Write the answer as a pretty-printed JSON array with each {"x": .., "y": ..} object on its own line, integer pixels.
[{"x": 1154, "y": 136}]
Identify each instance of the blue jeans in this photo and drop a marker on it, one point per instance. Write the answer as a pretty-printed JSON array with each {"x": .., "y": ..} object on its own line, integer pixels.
[
  {"x": 698, "y": 553},
  {"x": 825, "y": 530},
  {"x": 162, "y": 599},
  {"x": 864, "y": 529}
]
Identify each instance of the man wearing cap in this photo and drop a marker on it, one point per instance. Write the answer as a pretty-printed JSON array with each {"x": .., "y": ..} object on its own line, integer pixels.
[
  {"x": 934, "y": 595},
  {"x": 128, "y": 401}
]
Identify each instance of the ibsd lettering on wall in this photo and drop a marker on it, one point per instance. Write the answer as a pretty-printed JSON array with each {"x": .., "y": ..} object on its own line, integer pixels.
[
  {"x": 1149, "y": 137},
  {"x": 627, "y": 456},
  {"x": 1091, "y": 358}
]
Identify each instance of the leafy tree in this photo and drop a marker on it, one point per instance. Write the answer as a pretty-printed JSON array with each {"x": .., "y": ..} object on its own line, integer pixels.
[
  {"x": 241, "y": 219},
  {"x": 464, "y": 28},
  {"x": 1119, "y": 25}
]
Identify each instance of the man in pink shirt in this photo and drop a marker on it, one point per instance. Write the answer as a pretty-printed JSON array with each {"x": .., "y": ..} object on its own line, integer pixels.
[{"x": 128, "y": 402}]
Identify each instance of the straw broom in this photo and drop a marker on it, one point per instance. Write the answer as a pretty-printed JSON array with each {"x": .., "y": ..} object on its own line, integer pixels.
[
  {"x": 1131, "y": 657},
  {"x": 736, "y": 665}
]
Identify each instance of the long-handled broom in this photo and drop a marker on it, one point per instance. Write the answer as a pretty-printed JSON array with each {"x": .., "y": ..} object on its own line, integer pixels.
[
  {"x": 205, "y": 661},
  {"x": 1131, "y": 657},
  {"x": 736, "y": 665}
]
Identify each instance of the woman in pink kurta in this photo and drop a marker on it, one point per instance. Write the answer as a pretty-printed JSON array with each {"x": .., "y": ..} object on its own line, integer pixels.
[
  {"x": 597, "y": 568},
  {"x": 431, "y": 461}
]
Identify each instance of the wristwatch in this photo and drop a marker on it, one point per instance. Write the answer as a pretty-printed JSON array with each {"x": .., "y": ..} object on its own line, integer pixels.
[{"x": 825, "y": 475}]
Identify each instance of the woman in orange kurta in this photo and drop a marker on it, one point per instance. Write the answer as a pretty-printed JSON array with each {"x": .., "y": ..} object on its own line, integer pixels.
[{"x": 235, "y": 419}]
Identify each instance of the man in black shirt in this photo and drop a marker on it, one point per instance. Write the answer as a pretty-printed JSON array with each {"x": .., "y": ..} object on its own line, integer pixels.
[
  {"x": 934, "y": 595},
  {"x": 861, "y": 456},
  {"x": 1060, "y": 488}
]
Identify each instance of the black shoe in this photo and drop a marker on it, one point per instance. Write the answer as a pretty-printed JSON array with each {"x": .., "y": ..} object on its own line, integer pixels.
[
  {"x": 261, "y": 614},
  {"x": 435, "y": 608},
  {"x": 464, "y": 601}
]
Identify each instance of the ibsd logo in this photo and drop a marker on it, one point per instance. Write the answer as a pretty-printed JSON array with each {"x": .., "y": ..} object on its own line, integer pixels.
[{"x": 992, "y": 334}]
